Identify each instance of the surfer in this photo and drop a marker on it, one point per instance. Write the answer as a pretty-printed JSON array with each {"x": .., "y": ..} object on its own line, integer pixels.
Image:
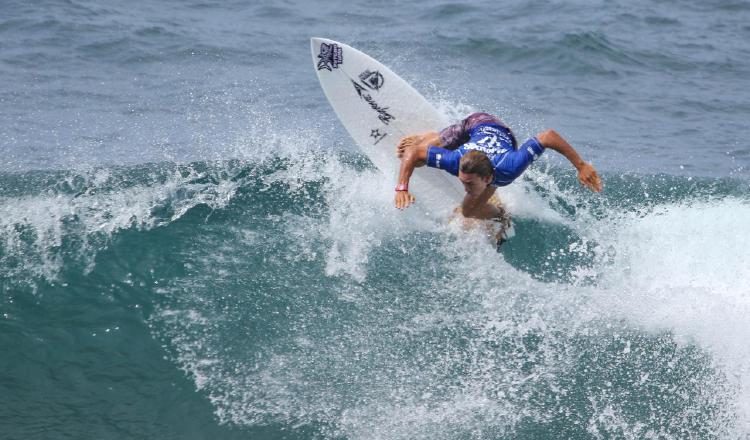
[{"x": 483, "y": 153}]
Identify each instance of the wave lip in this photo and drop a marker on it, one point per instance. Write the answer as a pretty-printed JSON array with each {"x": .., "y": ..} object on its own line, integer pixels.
[{"x": 47, "y": 229}]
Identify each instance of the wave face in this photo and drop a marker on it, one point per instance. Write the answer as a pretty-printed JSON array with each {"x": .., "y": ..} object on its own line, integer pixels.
[
  {"x": 297, "y": 301},
  {"x": 191, "y": 246}
]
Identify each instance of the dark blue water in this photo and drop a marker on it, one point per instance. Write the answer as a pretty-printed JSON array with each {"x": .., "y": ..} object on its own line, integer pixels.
[{"x": 192, "y": 247}]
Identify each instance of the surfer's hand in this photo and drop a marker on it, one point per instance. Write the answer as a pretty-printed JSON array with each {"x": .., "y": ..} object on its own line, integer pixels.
[
  {"x": 588, "y": 177},
  {"x": 404, "y": 199}
]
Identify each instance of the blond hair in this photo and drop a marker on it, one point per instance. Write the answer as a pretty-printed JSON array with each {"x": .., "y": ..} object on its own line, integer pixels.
[{"x": 476, "y": 162}]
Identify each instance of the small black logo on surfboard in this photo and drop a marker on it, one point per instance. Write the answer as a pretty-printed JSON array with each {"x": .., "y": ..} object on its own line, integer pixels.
[
  {"x": 373, "y": 80},
  {"x": 377, "y": 135},
  {"x": 331, "y": 56}
]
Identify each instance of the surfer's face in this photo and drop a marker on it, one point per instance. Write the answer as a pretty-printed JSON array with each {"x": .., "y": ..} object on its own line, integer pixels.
[{"x": 474, "y": 184}]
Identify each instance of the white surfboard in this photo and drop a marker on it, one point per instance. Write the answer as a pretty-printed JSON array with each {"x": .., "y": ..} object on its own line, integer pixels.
[{"x": 378, "y": 108}]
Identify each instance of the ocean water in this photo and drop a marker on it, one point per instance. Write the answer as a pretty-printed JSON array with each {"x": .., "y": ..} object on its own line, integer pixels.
[{"x": 192, "y": 247}]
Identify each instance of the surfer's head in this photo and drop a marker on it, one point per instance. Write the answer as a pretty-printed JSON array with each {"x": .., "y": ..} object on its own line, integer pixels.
[{"x": 475, "y": 172}]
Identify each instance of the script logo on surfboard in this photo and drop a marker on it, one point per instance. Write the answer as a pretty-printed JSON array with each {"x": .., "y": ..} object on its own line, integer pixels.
[{"x": 383, "y": 114}]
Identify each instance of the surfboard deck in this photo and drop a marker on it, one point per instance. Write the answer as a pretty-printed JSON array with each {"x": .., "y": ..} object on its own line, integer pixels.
[{"x": 378, "y": 108}]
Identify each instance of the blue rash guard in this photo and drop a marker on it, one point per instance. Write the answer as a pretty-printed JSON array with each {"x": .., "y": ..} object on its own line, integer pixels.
[{"x": 488, "y": 134}]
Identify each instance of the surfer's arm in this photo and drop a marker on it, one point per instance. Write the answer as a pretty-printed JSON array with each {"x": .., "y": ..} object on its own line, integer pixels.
[
  {"x": 586, "y": 173},
  {"x": 412, "y": 157}
]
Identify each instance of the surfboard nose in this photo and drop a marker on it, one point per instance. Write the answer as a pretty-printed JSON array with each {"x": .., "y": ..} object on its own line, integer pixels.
[
  {"x": 314, "y": 46},
  {"x": 320, "y": 47},
  {"x": 315, "y": 42}
]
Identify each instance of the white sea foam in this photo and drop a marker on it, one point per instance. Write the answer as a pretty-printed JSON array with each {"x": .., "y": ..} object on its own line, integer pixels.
[
  {"x": 469, "y": 358},
  {"x": 685, "y": 268},
  {"x": 33, "y": 228}
]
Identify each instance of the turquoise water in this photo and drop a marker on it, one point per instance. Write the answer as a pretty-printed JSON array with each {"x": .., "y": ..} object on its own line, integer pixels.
[
  {"x": 269, "y": 299},
  {"x": 191, "y": 246}
]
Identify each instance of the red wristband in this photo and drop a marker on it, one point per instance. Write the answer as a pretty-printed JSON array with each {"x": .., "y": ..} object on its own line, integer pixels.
[{"x": 402, "y": 187}]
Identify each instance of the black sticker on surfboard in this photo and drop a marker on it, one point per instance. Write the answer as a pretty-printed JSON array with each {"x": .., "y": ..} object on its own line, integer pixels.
[
  {"x": 331, "y": 56},
  {"x": 372, "y": 79},
  {"x": 377, "y": 135}
]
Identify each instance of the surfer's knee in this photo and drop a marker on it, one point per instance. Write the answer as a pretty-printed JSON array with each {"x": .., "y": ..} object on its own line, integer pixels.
[
  {"x": 477, "y": 207},
  {"x": 483, "y": 211},
  {"x": 464, "y": 209}
]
